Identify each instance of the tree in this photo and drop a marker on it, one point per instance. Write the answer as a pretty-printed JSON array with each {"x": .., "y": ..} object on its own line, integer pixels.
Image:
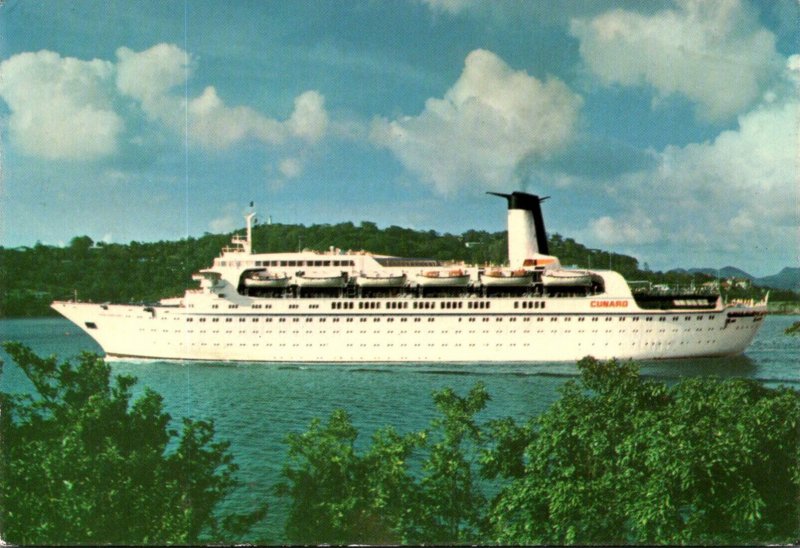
[
  {"x": 82, "y": 464},
  {"x": 621, "y": 460},
  {"x": 617, "y": 460},
  {"x": 339, "y": 495}
]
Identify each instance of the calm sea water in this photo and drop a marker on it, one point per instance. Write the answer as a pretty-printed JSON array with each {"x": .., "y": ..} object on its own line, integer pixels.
[{"x": 255, "y": 405}]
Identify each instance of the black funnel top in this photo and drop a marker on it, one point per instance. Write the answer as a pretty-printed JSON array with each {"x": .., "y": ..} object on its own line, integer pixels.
[{"x": 532, "y": 203}]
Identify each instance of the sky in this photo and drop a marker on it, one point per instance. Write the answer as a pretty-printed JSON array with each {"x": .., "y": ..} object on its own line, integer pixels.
[{"x": 666, "y": 130}]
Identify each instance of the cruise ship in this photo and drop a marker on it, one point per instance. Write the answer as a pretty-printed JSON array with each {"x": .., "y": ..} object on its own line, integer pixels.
[{"x": 344, "y": 306}]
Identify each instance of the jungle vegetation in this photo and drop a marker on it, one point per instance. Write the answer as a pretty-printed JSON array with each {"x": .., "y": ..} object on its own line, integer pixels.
[
  {"x": 32, "y": 277},
  {"x": 617, "y": 459}
]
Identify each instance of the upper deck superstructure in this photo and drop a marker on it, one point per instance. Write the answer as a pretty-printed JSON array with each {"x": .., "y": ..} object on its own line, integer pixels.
[{"x": 336, "y": 306}]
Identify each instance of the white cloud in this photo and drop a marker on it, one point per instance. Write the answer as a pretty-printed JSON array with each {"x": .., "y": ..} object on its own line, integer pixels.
[
  {"x": 449, "y": 6},
  {"x": 309, "y": 121},
  {"x": 151, "y": 77},
  {"x": 227, "y": 222},
  {"x": 217, "y": 126},
  {"x": 490, "y": 121},
  {"x": 637, "y": 230},
  {"x": 61, "y": 107},
  {"x": 713, "y": 53},
  {"x": 730, "y": 197},
  {"x": 290, "y": 168}
]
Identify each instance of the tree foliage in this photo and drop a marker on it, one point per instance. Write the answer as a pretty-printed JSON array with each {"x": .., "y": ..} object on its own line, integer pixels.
[
  {"x": 341, "y": 495},
  {"x": 30, "y": 278},
  {"x": 617, "y": 460},
  {"x": 82, "y": 464}
]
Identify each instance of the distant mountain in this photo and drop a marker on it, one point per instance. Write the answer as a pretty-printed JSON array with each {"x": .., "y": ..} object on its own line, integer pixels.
[
  {"x": 724, "y": 272},
  {"x": 788, "y": 278}
]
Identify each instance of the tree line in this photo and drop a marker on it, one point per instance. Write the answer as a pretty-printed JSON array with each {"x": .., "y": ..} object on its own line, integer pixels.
[
  {"x": 618, "y": 459},
  {"x": 31, "y": 278}
]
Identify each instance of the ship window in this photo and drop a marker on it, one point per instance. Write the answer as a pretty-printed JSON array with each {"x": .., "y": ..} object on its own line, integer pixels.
[
  {"x": 255, "y": 319},
  {"x": 516, "y": 304},
  {"x": 91, "y": 325},
  {"x": 202, "y": 319}
]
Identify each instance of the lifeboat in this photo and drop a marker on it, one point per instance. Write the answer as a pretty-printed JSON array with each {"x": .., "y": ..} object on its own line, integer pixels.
[
  {"x": 320, "y": 280},
  {"x": 443, "y": 278},
  {"x": 266, "y": 280},
  {"x": 378, "y": 280},
  {"x": 503, "y": 278},
  {"x": 566, "y": 278}
]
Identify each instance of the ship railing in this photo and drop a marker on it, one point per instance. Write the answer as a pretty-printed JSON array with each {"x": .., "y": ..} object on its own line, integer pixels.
[{"x": 647, "y": 287}]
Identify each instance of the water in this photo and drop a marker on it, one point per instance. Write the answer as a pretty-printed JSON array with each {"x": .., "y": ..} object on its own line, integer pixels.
[{"x": 254, "y": 406}]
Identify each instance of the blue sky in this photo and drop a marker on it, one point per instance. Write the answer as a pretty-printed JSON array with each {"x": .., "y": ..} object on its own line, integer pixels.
[{"x": 665, "y": 130}]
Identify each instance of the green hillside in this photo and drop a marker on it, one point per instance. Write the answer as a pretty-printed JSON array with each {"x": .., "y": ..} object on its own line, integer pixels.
[{"x": 30, "y": 278}]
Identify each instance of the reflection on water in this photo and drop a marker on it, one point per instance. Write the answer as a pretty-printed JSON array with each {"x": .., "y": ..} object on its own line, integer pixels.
[{"x": 732, "y": 366}]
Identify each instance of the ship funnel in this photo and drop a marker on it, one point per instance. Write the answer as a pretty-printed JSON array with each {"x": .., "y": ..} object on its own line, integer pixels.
[{"x": 526, "y": 233}]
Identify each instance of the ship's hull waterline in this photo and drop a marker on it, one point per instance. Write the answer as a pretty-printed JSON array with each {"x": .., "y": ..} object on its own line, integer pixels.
[{"x": 361, "y": 307}]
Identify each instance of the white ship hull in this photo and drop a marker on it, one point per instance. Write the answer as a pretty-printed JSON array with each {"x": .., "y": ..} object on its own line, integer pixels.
[{"x": 314, "y": 333}]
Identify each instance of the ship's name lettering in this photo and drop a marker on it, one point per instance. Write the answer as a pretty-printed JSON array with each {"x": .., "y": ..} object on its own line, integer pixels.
[{"x": 609, "y": 304}]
